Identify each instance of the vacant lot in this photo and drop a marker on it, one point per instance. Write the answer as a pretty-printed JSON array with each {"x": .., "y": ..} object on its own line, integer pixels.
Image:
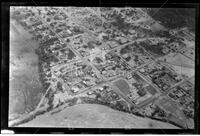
[
  {"x": 94, "y": 116},
  {"x": 25, "y": 89}
]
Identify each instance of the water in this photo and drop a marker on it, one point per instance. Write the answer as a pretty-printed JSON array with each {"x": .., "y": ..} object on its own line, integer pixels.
[{"x": 25, "y": 89}]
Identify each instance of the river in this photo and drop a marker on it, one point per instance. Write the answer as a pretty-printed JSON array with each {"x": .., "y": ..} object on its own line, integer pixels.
[{"x": 25, "y": 88}]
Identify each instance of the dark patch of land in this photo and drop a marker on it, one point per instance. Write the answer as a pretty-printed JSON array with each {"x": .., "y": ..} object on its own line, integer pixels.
[{"x": 174, "y": 17}]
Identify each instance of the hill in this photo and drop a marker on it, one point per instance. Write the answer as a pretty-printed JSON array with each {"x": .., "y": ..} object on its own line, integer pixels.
[{"x": 174, "y": 17}]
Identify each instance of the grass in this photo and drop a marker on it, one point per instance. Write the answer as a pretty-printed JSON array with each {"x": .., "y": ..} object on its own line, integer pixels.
[
  {"x": 177, "y": 116},
  {"x": 156, "y": 50},
  {"x": 94, "y": 115},
  {"x": 123, "y": 86},
  {"x": 175, "y": 17}
]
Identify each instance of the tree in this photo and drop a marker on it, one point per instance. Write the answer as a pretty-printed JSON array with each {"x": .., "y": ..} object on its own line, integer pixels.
[
  {"x": 98, "y": 96},
  {"x": 128, "y": 58},
  {"x": 50, "y": 97},
  {"x": 136, "y": 58}
]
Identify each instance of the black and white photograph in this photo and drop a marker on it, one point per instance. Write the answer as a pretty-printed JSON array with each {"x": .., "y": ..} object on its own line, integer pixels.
[{"x": 102, "y": 67}]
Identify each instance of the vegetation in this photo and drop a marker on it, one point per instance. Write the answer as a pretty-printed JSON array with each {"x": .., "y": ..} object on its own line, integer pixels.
[
  {"x": 155, "y": 49},
  {"x": 120, "y": 105},
  {"x": 50, "y": 96},
  {"x": 174, "y": 17}
]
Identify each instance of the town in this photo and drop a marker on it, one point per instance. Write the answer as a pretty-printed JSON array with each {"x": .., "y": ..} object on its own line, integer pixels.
[{"x": 113, "y": 57}]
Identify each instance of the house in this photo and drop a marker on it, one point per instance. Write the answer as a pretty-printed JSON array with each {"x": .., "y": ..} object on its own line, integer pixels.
[
  {"x": 89, "y": 93},
  {"x": 129, "y": 76},
  {"x": 75, "y": 89}
]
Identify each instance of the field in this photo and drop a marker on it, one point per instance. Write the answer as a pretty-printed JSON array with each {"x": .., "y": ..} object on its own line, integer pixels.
[
  {"x": 189, "y": 52},
  {"x": 179, "y": 60},
  {"x": 123, "y": 86},
  {"x": 25, "y": 89},
  {"x": 186, "y": 72},
  {"x": 172, "y": 108},
  {"x": 192, "y": 80},
  {"x": 180, "y": 64},
  {"x": 94, "y": 116}
]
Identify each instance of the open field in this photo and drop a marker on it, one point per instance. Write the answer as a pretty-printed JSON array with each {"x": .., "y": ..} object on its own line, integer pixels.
[
  {"x": 188, "y": 72},
  {"x": 123, "y": 86},
  {"x": 94, "y": 116},
  {"x": 192, "y": 80},
  {"x": 25, "y": 89},
  {"x": 176, "y": 114},
  {"x": 169, "y": 106},
  {"x": 180, "y": 64},
  {"x": 189, "y": 52},
  {"x": 179, "y": 60}
]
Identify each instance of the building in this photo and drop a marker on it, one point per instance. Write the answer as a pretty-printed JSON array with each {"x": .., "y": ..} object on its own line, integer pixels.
[{"x": 75, "y": 89}]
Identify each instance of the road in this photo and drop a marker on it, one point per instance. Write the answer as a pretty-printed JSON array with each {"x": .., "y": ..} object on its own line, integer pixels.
[{"x": 175, "y": 85}]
